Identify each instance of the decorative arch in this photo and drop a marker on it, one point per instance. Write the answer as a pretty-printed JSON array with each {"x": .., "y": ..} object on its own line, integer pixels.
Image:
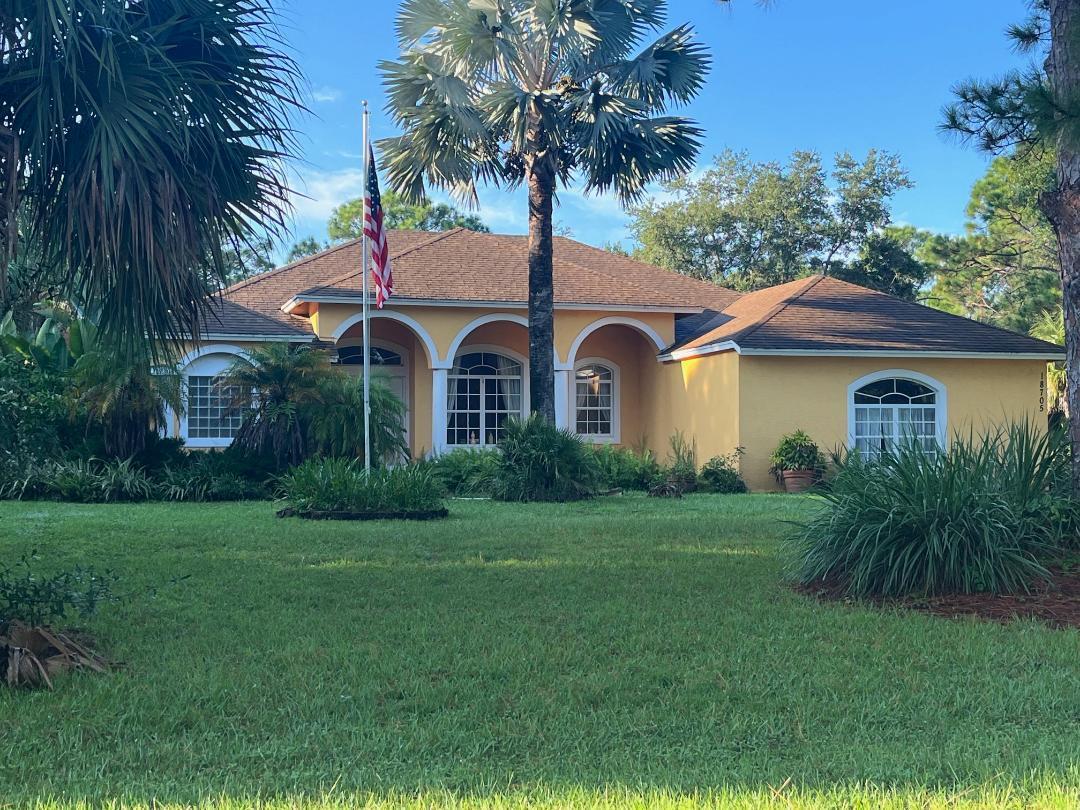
[
  {"x": 426, "y": 339},
  {"x": 495, "y": 317},
  {"x": 940, "y": 404},
  {"x": 615, "y": 320},
  {"x": 213, "y": 348}
]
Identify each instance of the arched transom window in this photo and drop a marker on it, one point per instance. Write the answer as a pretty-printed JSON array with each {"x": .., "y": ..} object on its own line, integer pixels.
[
  {"x": 380, "y": 356},
  {"x": 595, "y": 406},
  {"x": 893, "y": 410},
  {"x": 484, "y": 389}
]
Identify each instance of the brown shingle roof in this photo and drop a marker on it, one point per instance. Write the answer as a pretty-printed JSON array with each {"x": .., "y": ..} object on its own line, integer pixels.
[
  {"x": 821, "y": 314},
  {"x": 461, "y": 265},
  {"x": 227, "y": 317}
]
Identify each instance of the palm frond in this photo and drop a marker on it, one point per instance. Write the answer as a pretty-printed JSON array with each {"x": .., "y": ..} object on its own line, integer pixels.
[
  {"x": 149, "y": 131},
  {"x": 671, "y": 69}
]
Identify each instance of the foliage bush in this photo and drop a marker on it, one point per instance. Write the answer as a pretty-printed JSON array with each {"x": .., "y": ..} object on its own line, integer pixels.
[
  {"x": 335, "y": 421},
  {"x": 540, "y": 462},
  {"x": 341, "y": 485},
  {"x": 196, "y": 477},
  {"x": 297, "y": 406},
  {"x": 468, "y": 472},
  {"x": 626, "y": 468},
  {"x": 33, "y": 598},
  {"x": 721, "y": 474},
  {"x": 211, "y": 477},
  {"x": 34, "y": 413},
  {"x": 979, "y": 516}
]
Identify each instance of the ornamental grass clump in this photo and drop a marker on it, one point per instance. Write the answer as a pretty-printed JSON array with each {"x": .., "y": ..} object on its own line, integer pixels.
[
  {"x": 982, "y": 516},
  {"x": 332, "y": 487}
]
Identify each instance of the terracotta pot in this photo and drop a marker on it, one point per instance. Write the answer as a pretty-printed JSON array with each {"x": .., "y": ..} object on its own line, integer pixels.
[{"x": 798, "y": 480}]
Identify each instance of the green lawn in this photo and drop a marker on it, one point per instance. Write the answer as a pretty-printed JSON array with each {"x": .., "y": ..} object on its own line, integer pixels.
[{"x": 627, "y": 651}]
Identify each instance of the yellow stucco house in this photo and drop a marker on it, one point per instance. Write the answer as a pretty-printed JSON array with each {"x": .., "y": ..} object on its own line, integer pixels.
[{"x": 639, "y": 352}]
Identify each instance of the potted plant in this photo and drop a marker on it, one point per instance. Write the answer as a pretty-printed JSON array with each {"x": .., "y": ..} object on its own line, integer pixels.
[{"x": 797, "y": 462}]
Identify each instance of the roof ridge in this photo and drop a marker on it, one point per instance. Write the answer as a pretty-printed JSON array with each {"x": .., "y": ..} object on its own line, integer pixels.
[
  {"x": 778, "y": 308},
  {"x": 436, "y": 236},
  {"x": 936, "y": 311}
]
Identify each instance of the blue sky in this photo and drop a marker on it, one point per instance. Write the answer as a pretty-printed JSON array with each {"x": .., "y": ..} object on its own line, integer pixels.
[{"x": 828, "y": 75}]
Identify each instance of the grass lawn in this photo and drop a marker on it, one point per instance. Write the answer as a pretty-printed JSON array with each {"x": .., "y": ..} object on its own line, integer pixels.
[{"x": 627, "y": 651}]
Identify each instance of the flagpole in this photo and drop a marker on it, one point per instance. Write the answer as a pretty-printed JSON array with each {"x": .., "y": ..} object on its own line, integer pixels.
[{"x": 367, "y": 326}]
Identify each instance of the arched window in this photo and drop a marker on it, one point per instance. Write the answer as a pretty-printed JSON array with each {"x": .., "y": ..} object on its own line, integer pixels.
[
  {"x": 211, "y": 417},
  {"x": 484, "y": 389},
  {"x": 596, "y": 412},
  {"x": 890, "y": 410},
  {"x": 380, "y": 356}
]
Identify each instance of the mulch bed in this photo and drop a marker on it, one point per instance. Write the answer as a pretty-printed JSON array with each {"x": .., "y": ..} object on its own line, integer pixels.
[
  {"x": 1056, "y": 602},
  {"x": 433, "y": 514}
]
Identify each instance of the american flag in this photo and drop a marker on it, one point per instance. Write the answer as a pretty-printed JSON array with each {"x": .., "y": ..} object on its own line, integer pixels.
[{"x": 381, "y": 272}]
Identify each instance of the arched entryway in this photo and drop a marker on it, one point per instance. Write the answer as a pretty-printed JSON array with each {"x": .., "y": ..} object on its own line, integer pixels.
[
  {"x": 400, "y": 355},
  {"x": 605, "y": 381}
]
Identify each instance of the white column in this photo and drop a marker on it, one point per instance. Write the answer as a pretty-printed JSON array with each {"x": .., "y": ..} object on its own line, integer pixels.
[
  {"x": 562, "y": 397},
  {"x": 438, "y": 410}
]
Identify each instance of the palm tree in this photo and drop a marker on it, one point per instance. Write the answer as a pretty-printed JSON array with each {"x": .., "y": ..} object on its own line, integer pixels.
[
  {"x": 136, "y": 137},
  {"x": 124, "y": 396},
  {"x": 534, "y": 91},
  {"x": 276, "y": 383}
]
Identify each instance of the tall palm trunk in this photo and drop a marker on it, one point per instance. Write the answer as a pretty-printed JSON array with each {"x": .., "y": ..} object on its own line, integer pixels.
[
  {"x": 541, "y": 177},
  {"x": 1062, "y": 205}
]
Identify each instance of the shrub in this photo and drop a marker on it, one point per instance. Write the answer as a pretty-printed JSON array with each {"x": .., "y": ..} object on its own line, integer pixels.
[
  {"x": 335, "y": 422},
  {"x": 210, "y": 477},
  {"x": 33, "y": 598},
  {"x": 33, "y": 412},
  {"x": 721, "y": 474},
  {"x": 124, "y": 481},
  {"x": 796, "y": 451},
  {"x": 682, "y": 468},
  {"x": 540, "y": 462},
  {"x": 468, "y": 471},
  {"x": 978, "y": 517},
  {"x": 626, "y": 468},
  {"x": 340, "y": 485}
]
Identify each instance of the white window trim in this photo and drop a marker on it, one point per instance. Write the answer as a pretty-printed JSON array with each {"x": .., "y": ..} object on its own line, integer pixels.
[
  {"x": 469, "y": 349},
  {"x": 941, "y": 406},
  {"x": 192, "y": 359},
  {"x": 616, "y": 401}
]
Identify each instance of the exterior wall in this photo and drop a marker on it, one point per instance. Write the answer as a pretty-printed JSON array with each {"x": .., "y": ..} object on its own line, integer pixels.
[
  {"x": 699, "y": 396},
  {"x": 780, "y": 394}
]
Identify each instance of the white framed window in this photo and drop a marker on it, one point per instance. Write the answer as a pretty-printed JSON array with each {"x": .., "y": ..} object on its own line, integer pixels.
[
  {"x": 596, "y": 400},
  {"x": 485, "y": 387},
  {"x": 211, "y": 418},
  {"x": 895, "y": 407},
  {"x": 212, "y": 412}
]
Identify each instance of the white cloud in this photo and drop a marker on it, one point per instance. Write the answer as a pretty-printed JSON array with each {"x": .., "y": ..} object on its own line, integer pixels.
[
  {"x": 324, "y": 94},
  {"x": 318, "y": 193}
]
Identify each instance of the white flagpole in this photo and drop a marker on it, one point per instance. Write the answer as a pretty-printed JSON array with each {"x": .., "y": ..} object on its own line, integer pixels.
[{"x": 367, "y": 330}]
